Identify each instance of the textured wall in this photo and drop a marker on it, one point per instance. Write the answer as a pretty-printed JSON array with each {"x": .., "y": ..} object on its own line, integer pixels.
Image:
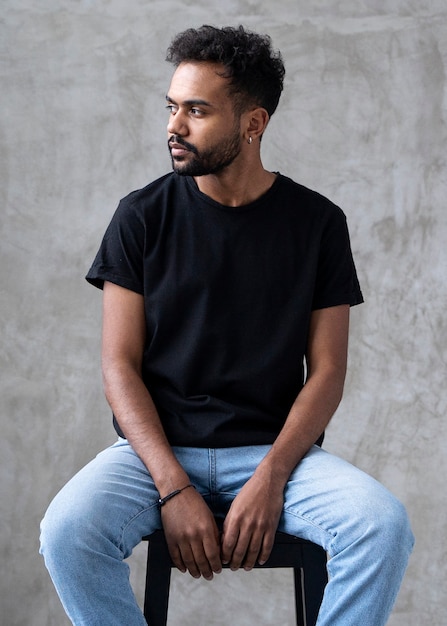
[{"x": 362, "y": 120}]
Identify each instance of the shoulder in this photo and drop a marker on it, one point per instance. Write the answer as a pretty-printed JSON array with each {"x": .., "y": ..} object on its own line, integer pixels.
[
  {"x": 141, "y": 199},
  {"x": 147, "y": 207},
  {"x": 308, "y": 201}
]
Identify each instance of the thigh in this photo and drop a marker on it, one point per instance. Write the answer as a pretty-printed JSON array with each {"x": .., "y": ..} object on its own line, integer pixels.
[
  {"x": 113, "y": 494},
  {"x": 330, "y": 502}
]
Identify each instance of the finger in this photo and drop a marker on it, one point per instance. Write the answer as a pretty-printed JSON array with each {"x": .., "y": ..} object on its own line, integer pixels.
[
  {"x": 200, "y": 563},
  {"x": 266, "y": 549},
  {"x": 228, "y": 543},
  {"x": 204, "y": 566},
  {"x": 189, "y": 560},
  {"x": 176, "y": 558},
  {"x": 204, "y": 555},
  {"x": 252, "y": 553},
  {"x": 212, "y": 552},
  {"x": 206, "y": 551},
  {"x": 240, "y": 551}
]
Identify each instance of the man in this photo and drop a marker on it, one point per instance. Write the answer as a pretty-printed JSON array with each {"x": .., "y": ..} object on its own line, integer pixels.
[{"x": 219, "y": 280}]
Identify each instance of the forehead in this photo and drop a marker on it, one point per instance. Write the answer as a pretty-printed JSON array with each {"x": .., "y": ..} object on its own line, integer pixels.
[{"x": 199, "y": 81}]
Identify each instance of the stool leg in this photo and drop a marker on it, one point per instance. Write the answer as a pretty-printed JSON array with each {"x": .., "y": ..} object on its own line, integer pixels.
[
  {"x": 299, "y": 597},
  {"x": 158, "y": 580},
  {"x": 310, "y": 581}
]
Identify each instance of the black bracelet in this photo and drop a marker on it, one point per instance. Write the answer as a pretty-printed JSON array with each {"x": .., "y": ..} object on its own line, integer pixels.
[{"x": 162, "y": 501}]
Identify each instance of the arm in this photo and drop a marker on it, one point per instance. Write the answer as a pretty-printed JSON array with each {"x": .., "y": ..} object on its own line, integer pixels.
[
  {"x": 251, "y": 523},
  {"x": 189, "y": 526}
]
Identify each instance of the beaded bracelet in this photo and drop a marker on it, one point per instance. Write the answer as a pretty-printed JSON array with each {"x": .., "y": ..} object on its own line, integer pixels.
[{"x": 162, "y": 501}]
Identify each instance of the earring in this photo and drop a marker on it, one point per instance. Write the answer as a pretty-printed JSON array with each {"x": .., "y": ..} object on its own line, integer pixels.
[{"x": 250, "y": 139}]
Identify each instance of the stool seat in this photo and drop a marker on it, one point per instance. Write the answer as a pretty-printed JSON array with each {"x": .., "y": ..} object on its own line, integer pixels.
[{"x": 307, "y": 559}]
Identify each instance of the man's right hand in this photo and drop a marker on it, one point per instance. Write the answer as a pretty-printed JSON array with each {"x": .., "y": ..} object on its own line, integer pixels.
[{"x": 192, "y": 535}]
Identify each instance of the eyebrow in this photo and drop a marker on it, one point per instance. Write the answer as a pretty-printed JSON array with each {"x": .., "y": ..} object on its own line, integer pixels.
[{"x": 191, "y": 102}]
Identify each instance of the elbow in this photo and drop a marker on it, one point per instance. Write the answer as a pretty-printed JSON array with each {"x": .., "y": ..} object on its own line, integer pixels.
[
  {"x": 329, "y": 380},
  {"x": 118, "y": 375},
  {"x": 335, "y": 377}
]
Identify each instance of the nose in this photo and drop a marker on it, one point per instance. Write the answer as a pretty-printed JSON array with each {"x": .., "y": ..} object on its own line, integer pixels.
[{"x": 177, "y": 125}]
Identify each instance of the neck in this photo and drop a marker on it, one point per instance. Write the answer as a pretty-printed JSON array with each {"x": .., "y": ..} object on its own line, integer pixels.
[{"x": 231, "y": 188}]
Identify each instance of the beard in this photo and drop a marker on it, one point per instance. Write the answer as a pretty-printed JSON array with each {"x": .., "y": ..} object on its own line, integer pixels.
[{"x": 210, "y": 161}]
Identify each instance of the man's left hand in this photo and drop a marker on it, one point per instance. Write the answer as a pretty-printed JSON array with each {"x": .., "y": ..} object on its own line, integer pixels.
[{"x": 251, "y": 523}]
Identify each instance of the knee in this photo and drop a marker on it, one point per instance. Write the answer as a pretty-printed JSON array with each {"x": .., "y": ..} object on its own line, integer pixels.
[
  {"x": 68, "y": 529},
  {"x": 58, "y": 530},
  {"x": 387, "y": 522},
  {"x": 397, "y": 525}
]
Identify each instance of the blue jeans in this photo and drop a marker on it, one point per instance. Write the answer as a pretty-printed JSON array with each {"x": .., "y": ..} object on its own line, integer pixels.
[{"x": 94, "y": 523}]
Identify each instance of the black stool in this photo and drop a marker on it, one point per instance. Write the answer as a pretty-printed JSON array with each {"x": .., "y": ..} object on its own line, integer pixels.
[{"x": 307, "y": 560}]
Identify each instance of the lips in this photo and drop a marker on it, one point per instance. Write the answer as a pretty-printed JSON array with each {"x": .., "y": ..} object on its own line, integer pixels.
[
  {"x": 177, "y": 149},
  {"x": 177, "y": 146},
  {"x": 180, "y": 148}
]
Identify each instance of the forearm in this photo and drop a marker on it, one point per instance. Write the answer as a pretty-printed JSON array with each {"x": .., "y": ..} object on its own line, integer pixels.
[
  {"x": 138, "y": 418},
  {"x": 189, "y": 525},
  {"x": 314, "y": 406},
  {"x": 254, "y": 514},
  {"x": 307, "y": 420}
]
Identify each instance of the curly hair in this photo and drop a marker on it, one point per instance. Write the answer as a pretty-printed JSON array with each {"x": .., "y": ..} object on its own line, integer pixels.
[{"x": 255, "y": 71}]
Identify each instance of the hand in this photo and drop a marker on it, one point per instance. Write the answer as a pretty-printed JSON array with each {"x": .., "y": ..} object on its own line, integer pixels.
[
  {"x": 192, "y": 535},
  {"x": 251, "y": 523}
]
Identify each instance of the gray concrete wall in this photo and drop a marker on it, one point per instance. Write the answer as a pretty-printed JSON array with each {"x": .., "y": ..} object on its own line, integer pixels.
[{"x": 362, "y": 120}]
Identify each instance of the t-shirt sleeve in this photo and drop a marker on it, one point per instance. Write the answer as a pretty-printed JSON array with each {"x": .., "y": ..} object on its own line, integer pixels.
[
  {"x": 120, "y": 257},
  {"x": 336, "y": 281}
]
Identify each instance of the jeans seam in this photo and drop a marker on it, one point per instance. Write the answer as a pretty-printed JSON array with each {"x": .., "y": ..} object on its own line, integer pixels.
[
  {"x": 307, "y": 520},
  {"x": 131, "y": 519},
  {"x": 212, "y": 471}
]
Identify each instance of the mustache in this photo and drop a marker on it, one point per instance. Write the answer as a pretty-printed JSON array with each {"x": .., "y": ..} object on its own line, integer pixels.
[{"x": 181, "y": 142}]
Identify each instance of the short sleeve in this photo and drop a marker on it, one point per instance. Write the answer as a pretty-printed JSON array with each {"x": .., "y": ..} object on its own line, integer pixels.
[
  {"x": 336, "y": 281},
  {"x": 120, "y": 257}
]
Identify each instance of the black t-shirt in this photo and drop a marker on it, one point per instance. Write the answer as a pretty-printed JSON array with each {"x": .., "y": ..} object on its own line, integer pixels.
[{"x": 228, "y": 294}]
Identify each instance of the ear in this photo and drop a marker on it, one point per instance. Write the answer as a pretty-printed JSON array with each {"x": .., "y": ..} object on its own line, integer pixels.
[{"x": 256, "y": 122}]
